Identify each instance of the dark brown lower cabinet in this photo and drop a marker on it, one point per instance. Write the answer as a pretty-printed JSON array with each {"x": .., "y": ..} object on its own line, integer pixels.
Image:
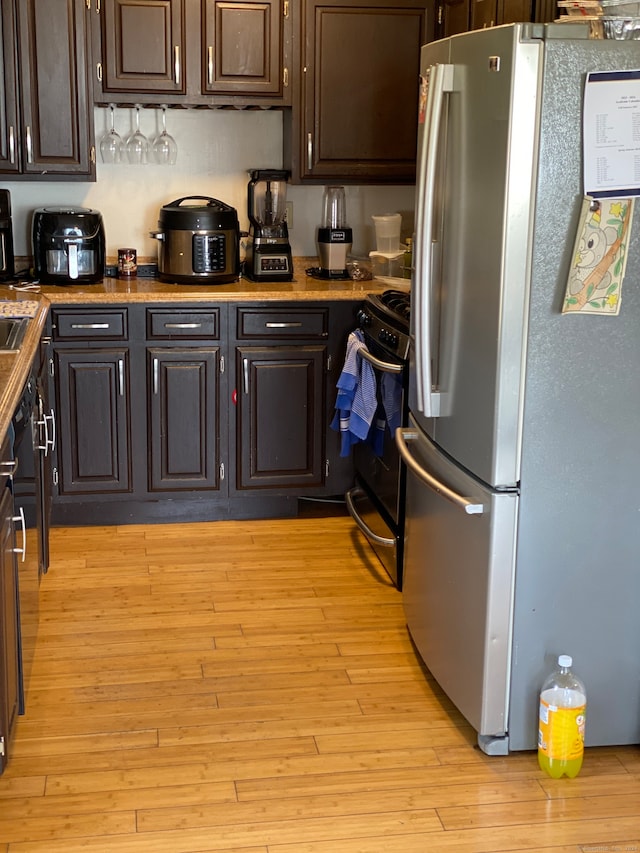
[
  {"x": 184, "y": 418},
  {"x": 280, "y": 423},
  {"x": 9, "y": 645},
  {"x": 196, "y": 411},
  {"x": 93, "y": 403}
]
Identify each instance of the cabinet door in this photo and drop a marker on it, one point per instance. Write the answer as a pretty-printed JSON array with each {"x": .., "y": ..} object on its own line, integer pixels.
[
  {"x": 9, "y": 153},
  {"x": 143, "y": 46},
  {"x": 32, "y": 484},
  {"x": 243, "y": 47},
  {"x": 280, "y": 416},
  {"x": 514, "y": 11},
  {"x": 94, "y": 431},
  {"x": 360, "y": 88},
  {"x": 9, "y": 669},
  {"x": 453, "y": 17},
  {"x": 184, "y": 418},
  {"x": 484, "y": 13},
  {"x": 57, "y": 119}
]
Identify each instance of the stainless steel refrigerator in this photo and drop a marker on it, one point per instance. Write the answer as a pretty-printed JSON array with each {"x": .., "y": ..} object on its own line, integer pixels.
[{"x": 523, "y": 447}]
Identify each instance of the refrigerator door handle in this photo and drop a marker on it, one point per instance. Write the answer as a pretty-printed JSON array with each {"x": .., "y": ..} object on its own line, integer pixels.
[
  {"x": 403, "y": 437},
  {"x": 440, "y": 82}
]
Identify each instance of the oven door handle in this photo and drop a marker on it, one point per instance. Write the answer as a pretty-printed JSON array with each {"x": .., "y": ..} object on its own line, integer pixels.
[
  {"x": 386, "y": 366},
  {"x": 357, "y": 492}
]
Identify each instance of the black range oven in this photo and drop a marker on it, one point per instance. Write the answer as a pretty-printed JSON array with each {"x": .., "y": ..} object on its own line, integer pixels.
[{"x": 377, "y": 501}]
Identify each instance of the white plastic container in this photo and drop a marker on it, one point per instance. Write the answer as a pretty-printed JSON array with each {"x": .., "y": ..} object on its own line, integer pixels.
[
  {"x": 387, "y": 228},
  {"x": 561, "y": 726}
]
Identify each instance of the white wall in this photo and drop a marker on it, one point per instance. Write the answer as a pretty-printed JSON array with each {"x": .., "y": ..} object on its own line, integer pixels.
[{"x": 215, "y": 150}]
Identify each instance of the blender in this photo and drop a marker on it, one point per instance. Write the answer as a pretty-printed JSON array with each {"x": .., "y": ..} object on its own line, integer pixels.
[
  {"x": 334, "y": 235},
  {"x": 268, "y": 253}
]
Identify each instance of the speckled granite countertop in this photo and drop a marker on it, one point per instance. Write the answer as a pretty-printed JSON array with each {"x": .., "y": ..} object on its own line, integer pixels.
[
  {"x": 139, "y": 289},
  {"x": 16, "y": 365}
]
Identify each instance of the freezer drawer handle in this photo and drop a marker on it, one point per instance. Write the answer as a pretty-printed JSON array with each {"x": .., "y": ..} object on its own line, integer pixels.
[
  {"x": 357, "y": 492},
  {"x": 403, "y": 436}
]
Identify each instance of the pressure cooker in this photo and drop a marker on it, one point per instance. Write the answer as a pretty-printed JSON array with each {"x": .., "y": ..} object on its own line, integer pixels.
[{"x": 198, "y": 241}]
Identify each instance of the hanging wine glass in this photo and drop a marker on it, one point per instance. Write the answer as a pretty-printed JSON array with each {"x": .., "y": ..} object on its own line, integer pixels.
[
  {"x": 165, "y": 149},
  {"x": 111, "y": 144},
  {"x": 137, "y": 143}
]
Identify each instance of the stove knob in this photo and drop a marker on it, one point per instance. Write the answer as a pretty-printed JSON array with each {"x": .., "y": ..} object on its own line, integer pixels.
[
  {"x": 363, "y": 318},
  {"x": 389, "y": 338}
]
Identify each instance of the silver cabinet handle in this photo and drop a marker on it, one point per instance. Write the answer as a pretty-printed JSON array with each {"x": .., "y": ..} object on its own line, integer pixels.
[
  {"x": 49, "y": 439},
  {"x": 403, "y": 436},
  {"x": 210, "y": 65},
  {"x": 385, "y": 366},
  {"x": 156, "y": 366},
  {"x": 121, "y": 377},
  {"x": 356, "y": 492},
  {"x": 89, "y": 325},
  {"x": 22, "y": 550},
  {"x": 309, "y": 152},
  {"x": 245, "y": 375},
  {"x": 291, "y": 325},
  {"x": 29, "y": 145},
  {"x": 12, "y": 145},
  {"x": 99, "y": 71},
  {"x": 176, "y": 64},
  {"x": 183, "y": 325},
  {"x": 8, "y": 467}
]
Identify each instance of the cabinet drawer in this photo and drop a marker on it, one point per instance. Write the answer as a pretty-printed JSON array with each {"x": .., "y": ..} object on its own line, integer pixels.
[
  {"x": 283, "y": 323},
  {"x": 168, "y": 323},
  {"x": 83, "y": 325}
]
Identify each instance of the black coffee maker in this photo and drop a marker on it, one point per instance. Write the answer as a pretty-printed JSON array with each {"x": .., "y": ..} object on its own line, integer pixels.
[
  {"x": 7, "y": 263},
  {"x": 268, "y": 254}
]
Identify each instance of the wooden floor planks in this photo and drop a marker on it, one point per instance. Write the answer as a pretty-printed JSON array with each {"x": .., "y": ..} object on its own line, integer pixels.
[{"x": 250, "y": 687}]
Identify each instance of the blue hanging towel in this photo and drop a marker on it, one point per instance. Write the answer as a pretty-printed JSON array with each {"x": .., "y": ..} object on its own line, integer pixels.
[
  {"x": 391, "y": 394},
  {"x": 356, "y": 399}
]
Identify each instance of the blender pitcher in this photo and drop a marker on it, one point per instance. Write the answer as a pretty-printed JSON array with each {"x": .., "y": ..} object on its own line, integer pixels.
[{"x": 334, "y": 235}]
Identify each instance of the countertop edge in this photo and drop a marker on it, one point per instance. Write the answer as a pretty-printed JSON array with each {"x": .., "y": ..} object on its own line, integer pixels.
[{"x": 15, "y": 366}]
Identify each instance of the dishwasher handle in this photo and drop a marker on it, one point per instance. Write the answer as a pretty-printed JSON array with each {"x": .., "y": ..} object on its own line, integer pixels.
[{"x": 403, "y": 438}]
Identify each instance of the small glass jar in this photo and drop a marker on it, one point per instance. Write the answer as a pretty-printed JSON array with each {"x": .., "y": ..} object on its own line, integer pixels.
[{"x": 127, "y": 263}]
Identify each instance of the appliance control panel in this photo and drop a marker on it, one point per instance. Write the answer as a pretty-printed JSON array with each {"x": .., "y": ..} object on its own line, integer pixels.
[
  {"x": 274, "y": 263},
  {"x": 209, "y": 253}
]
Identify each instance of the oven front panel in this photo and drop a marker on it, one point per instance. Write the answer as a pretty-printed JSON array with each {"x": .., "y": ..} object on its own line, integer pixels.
[{"x": 377, "y": 462}]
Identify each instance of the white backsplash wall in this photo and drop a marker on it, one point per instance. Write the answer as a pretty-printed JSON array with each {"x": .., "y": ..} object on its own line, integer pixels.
[{"x": 215, "y": 150}]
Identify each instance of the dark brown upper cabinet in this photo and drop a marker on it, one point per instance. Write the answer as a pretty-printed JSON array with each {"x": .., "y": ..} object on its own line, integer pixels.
[
  {"x": 192, "y": 52},
  {"x": 355, "y": 120},
  {"x": 453, "y": 17},
  {"x": 46, "y": 125},
  {"x": 143, "y": 46},
  {"x": 488, "y": 13},
  {"x": 243, "y": 47}
]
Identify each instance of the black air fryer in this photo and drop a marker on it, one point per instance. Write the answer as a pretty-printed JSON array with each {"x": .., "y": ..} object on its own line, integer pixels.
[{"x": 68, "y": 245}]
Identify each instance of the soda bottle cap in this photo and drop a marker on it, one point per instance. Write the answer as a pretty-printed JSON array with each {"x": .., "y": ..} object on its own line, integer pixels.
[{"x": 565, "y": 661}]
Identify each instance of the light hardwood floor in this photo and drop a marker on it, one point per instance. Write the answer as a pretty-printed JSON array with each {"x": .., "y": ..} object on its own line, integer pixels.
[{"x": 249, "y": 687}]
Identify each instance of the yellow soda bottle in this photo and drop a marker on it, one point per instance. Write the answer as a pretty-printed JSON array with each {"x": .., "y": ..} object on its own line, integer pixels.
[{"x": 561, "y": 724}]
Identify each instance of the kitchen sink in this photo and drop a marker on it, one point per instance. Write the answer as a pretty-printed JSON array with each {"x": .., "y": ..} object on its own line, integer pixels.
[{"x": 12, "y": 330}]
